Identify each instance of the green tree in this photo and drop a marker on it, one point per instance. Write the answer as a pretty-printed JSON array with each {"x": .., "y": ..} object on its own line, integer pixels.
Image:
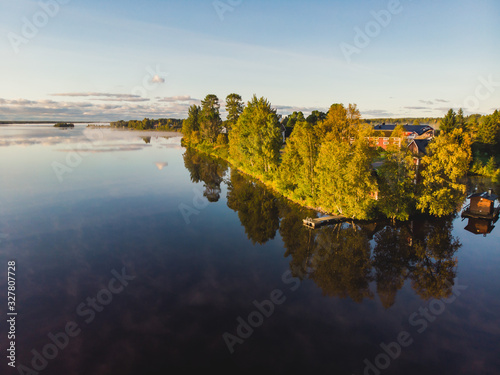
[
  {"x": 460, "y": 120},
  {"x": 315, "y": 117},
  {"x": 345, "y": 180},
  {"x": 335, "y": 124},
  {"x": 447, "y": 161},
  {"x": 396, "y": 177},
  {"x": 234, "y": 108},
  {"x": 489, "y": 129},
  {"x": 210, "y": 121},
  {"x": 297, "y": 172},
  {"x": 340, "y": 122},
  {"x": 256, "y": 138},
  {"x": 192, "y": 123},
  {"x": 290, "y": 120},
  {"x": 491, "y": 166},
  {"x": 449, "y": 122}
]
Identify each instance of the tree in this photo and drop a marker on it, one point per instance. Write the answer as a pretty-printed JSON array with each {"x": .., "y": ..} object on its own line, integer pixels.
[
  {"x": 396, "y": 176},
  {"x": 489, "y": 129},
  {"x": 345, "y": 180},
  {"x": 256, "y": 137},
  {"x": 340, "y": 123},
  {"x": 315, "y": 117},
  {"x": 234, "y": 108},
  {"x": 491, "y": 166},
  {"x": 449, "y": 122},
  {"x": 192, "y": 123},
  {"x": 210, "y": 123},
  {"x": 460, "y": 120},
  {"x": 398, "y": 132},
  {"x": 297, "y": 172},
  {"x": 447, "y": 161},
  {"x": 292, "y": 119},
  {"x": 335, "y": 123}
]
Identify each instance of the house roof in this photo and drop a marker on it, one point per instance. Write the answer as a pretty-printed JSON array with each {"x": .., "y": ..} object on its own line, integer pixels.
[
  {"x": 419, "y": 129},
  {"x": 485, "y": 195},
  {"x": 421, "y": 145}
]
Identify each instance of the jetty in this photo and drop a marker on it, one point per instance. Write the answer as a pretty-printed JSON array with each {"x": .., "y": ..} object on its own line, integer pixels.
[{"x": 319, "y": 221}]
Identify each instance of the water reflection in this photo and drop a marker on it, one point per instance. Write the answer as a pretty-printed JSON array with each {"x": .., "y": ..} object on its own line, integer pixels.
[
  {"x": 343, "y": 260},
  {"x": 210, "y": 171},
  {"x": 479, "y": 226},
  {"x": 257, "y": 208}
]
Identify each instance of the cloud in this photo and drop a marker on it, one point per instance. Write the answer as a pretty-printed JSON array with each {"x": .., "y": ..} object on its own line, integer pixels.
[
  {"x": 108, "y": 96},
  {"x": 289, "y": 109},
  {"x": 123, "y": 99},
  {"x": 158, "y": 79},
  {"x": 428, "y": 102},
  {"x": 442, "y": 101},
  {"x": 377, "y": 113},
  {"x": 419, "y": 108},
  {"x": 132, "y": 107},
  {"x": 180, "y": 98}
]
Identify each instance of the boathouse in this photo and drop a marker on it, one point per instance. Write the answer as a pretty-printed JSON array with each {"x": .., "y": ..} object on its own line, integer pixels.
[{"x": 482, "y": 205}]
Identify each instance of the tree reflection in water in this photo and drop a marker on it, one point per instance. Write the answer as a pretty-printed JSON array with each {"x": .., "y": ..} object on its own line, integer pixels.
[
  {"x": 257, "y": 208},
  {"x": 209, "y": 170},
  {"x": 343, "y": 259}
]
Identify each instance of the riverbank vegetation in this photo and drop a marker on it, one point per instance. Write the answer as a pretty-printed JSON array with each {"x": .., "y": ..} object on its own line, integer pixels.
[
  {"x": 64, "y": 125},
  {"x": 327, "y": 162}
]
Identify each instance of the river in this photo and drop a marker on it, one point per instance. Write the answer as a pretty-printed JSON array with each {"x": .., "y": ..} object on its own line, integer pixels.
[{"x": 136, "y": 256}]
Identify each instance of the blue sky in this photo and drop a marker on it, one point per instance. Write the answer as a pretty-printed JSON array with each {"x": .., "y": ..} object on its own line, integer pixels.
[{"x": 106, "y": 60}]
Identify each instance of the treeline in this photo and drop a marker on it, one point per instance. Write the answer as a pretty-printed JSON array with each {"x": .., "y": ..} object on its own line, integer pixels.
[
  {"x": 432, "y": 121},
  {"x": 170, "y": 124},
  {"x": 327, "y": 162}
]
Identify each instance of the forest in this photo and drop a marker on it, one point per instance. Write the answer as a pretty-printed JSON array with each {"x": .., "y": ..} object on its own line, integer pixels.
[{"x": 327, "y": 163}]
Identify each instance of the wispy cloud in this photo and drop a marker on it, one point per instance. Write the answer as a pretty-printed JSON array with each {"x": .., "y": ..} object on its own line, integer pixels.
[
  {"x": 418, "y": 108},
  {"x": 175, "y": 99},
  {"x": 377, "y": 113},
  {"x": 134, "y": 106},
  {"x": 106, "y": 95},
  {"x": 442, "y": 101},
  {"x": 288, "y": 109},
  {"x": 428, "y": 102}
]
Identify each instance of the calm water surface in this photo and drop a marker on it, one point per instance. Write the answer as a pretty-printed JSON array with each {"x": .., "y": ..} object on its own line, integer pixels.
[{"x": 160, "y": 260}]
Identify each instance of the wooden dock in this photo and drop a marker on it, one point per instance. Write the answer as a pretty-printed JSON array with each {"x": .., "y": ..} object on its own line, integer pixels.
[{"x": 319, "y": 221}]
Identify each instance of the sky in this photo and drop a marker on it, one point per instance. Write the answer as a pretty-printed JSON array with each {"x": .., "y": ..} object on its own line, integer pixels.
[{"x": 109, "y": 60}]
